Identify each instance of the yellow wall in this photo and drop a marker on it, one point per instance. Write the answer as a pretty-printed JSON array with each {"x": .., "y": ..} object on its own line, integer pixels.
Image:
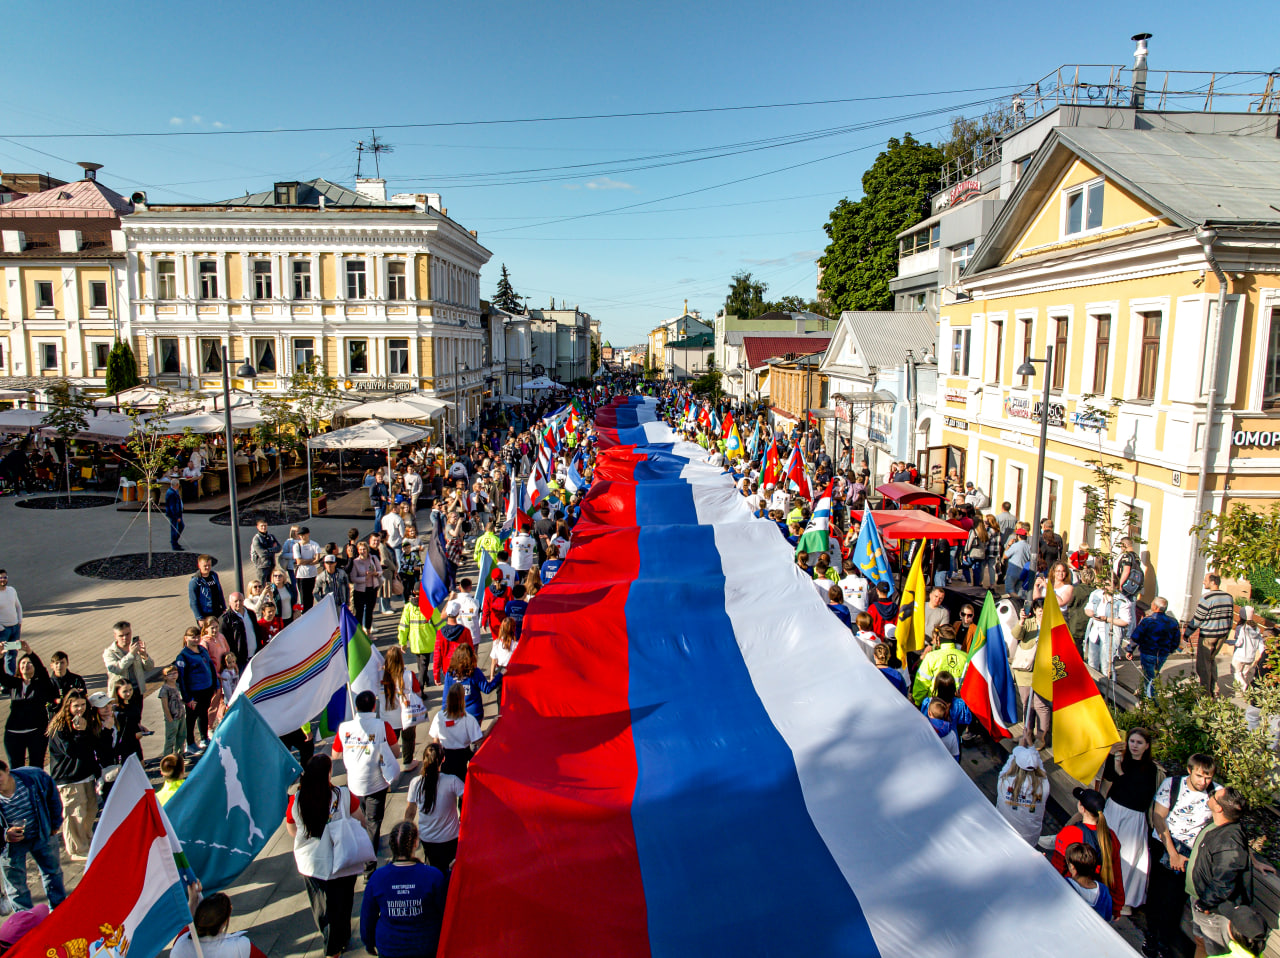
[
  {"x": 88, "y": 274},
  {"x": 235, "y": 281},
  {"x": 328, "y": 279},
  {"x": 424, "y": 275},
  {"x": 33, "y": 274}
]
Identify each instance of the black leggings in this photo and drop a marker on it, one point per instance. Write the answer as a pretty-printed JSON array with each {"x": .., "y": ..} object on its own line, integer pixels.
[
  {"x": 364, "y": 602},
  {"x": 331, "y": 902},
  {"x": 306, "y": 592},
  {"x": 441, "y": 854},
  {"x": 26, "y": 748},
  {"x": 201, "y": 715}
]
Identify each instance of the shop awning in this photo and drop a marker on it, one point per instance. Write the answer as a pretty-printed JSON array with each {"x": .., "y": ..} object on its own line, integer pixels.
[
  {"x": 21, "y": 420},
  {"x": 901, "y": 524}
]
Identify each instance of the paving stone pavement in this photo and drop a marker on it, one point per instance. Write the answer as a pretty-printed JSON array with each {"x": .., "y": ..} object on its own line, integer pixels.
[{"x": 40, "y": 550}]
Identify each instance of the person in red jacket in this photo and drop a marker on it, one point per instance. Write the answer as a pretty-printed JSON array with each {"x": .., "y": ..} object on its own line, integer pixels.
[
  {"x": 451, "y": 636},
  {"x": 882, "y": 610},
  {"x": 1094, "y": 832},
  {"x": 495, "y": 606}
]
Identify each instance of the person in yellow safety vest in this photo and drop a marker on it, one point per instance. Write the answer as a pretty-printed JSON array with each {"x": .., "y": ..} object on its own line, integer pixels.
[
  {"x": 488, "y": 542},
  {"x": 1246, "y": 931},
  {"x": 947, "y": 657},
  {"x": 418, "y": 634},
  {"x": 797, "y": 515}
]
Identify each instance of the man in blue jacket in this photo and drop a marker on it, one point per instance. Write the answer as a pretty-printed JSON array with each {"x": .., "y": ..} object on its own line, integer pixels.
[
  {"x": 31, "y": 814},
  {"x": 173, "y": 511},
  {"x": 204, "y": 591}
]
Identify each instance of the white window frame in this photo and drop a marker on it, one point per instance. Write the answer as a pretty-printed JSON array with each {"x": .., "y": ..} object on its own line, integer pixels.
[
  {"x": 958, "y": 262},
  {"x": 159, "y": 358},
  {"x": 60, "y": 354},
  {"x": 403, "y": 277},
  {"x": 1269, "y": 313},
  {"x": 293, "y": 352},
  {"x": 1088, "y": 367},
  {"x": 106, "y": 295},
  {"x": 349, "y": 274},
  {"x": 1084, "y": 189},
  {"x": 275, "y": 349},
  {"x": 43, "y": 307},
  {"x": 961, "y": 341},
  {"x": 91, "y": 347},
  {"x": 408, "y": 351},
  {"x": 1020, "y": 356},
  {"x": 991, "y": 355},
  {"x": 256, "y": 273},
  {"x": 346, "y": 356},
  {"x": 294, "y": 274},
  {"x": 200, "y": 355},
  {"x": 1054, "y": 314},
  {"x": 159, "y": 290},
  {"x": 201, "y": 275},
  {"x": 1133, "y": 365}
]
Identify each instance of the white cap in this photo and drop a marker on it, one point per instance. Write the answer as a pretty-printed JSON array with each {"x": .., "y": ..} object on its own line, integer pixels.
[{"x": 1026, "y": 757}]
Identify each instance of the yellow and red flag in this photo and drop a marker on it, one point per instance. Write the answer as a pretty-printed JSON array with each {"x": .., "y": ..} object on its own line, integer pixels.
[
  {"x": 1083, "y": 730},
  {"x": 772, "y": 471}
]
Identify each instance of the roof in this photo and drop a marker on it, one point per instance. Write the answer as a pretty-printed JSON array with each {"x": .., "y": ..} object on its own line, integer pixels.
[
  {"x": 41, "y": 240},
  {"x": 309, "y": 193},
  {"x": 761, "y": 348},
  {"x": 84, "y": 199},
  {"x": 885, "y": 336},
  {"x": 697, "y": 341},
  {"x": 1191, "y": 178}
]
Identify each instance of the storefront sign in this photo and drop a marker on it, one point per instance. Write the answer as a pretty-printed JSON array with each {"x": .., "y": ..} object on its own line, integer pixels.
[
  {"x": 1247, "y": 437},
  {"x": 1057, "y": 413},
  {"x": 957, "y": 396},
  {"x": 965, "y": 190},
  {"x": 955, "y": 423},
  {"x": 379, "y": 385},
  {"x": 1016, "y": 407},
  {"x": 1093, "y": 421}
]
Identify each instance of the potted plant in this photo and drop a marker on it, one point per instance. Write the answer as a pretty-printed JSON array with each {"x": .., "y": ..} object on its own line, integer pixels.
[{"x": 319, "y": 500}]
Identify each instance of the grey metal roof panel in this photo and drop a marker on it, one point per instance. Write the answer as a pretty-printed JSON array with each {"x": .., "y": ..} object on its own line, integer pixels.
[
  {"x": 309, "y": 193},
  {"x": 885, "y": 337}
]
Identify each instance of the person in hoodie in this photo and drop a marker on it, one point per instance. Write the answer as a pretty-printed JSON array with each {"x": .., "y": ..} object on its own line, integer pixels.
[
  {"x": 835, "y": 602},
  {"x": 403, "y": 905},
  {"x": 517, "y": 606},
  {"x": 882, "y": 609},
  {"x": 880, "y": 655},
  {"x": 463, "y": 671},
  {"x": 939, "y": 718},
  {"x": 451, "y": 635},
  {"x": 63, "y": 679}
]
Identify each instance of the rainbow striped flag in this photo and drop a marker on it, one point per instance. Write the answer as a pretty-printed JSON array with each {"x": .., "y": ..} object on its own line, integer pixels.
[{"x": 294, "y": 678}]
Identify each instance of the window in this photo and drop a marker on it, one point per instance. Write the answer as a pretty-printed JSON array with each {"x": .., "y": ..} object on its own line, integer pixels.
[
  {"x": 1271, "y": 371},
  {"x": 913, "y": 302},
  {"x": 960, "y": 352},
  {"x": 1018, "y": 475},
  {"x": 997, "y": 335},
  {"x": 1051, "y": 504},
  {"x": 286, "y": 194},
  {"x": 304, "y": 352},
  {"x": 301, "y": 279},
  {"x": 1020, "y": 167},
  {"x": 1026, "y": 346},
  {"x": 1059, "y": 353},
  {"x": 1083, "y": 208},
  {"x": 358, "y": 356},
  {"x": 920, "y": 241},
  {"x": 48, "y": 355},
  {"x": 395, "y": 280},
  {"x": 262, "y": 279},
  {"x": 210, "y": 356},
  {"x": 1149, "y": 356},
  {"x": 167, "y": 356},
  {"x": 99, "y": 353},
  {"x": 1, "y": 355},
  {"x": 98, "y": 295},
  {"x": 166, "y": 279},
  {"x": 355, "y": 279},
  {"x": 44, "y": 295},
  {"x": 264, "y": 355},
  {"x": 207, "y": 271},
  {"x": 960, "y": 256},
  {"x": 397, "y": 357},
  {"x": 1101, "y": 355}
]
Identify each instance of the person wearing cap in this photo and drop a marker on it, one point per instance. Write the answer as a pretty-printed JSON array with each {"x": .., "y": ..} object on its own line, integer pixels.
[
  {"x": 1094, "y": 832},
  {"x": 1020, "y": 564},
  {"x": 19, "y": 923},
  {"x": 333, "y": 579},
  {"x": 1022, "y": 790},
  {"x": 1246, "y": 931},
  {"x": 30, "y": 816},
  {"x": 1219, "y": 869}
]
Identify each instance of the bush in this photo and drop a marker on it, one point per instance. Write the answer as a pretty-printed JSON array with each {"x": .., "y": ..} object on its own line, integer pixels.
[{"x": 1266, "y": 590}]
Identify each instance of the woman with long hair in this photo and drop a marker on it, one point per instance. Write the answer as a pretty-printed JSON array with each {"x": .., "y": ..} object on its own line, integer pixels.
[
  {"x": 1093, "y": 830},
  {"x": 1134, "y": 778},
  {"x": 532, "y": 583},
  {"x": 331, "y": 891},
  {"x": 127, "y": 732},
  {"x": 77, "y": 749},
  {"x": 995, "y": 551},
  {"x": 397, "y": 684},
  {"x": 198, "y": 680},
  {"x": 32, "y": 696},
  {"x": 433, "y": 807},
  {"x": 403, "y": 904},
  {"x": 975, "y": 553},
  {"x": 213, "y": 641},
  {"x": 504, "y": 644},
  {"x": 463, "y": 671},
  {"x": 455, "y": 730},
  {"x": 1022, "y": 790},
  {"x": 366, "y": 577}
]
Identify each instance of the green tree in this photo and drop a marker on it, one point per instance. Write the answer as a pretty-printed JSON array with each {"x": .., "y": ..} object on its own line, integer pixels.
[
  {"x": 68, "y": 416},
  {"x": 746, "y": 296},
  {"x": 122, "y": 368},
  {"x": 506, "y": 297},
  {"x": 152, "y": 451},
  {"x": 1243, "y": 544},
  {"x": 862, "y": 256},
  {"x": 595, "y": 356},
  {"x": 796, "y": 304},
  {"x": 967, "y": 133}
]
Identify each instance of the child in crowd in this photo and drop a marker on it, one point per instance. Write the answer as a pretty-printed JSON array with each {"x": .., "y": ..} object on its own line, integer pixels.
[
  {"x": 939, "y": 718},
  {"x": 63, "y": 679},
  {"x": 1248, "y": 647},
  {"x": 269, "y": 620},
  {"x": 230, "y": 676},
  {"x": 1082, "y": 873},
  {"x": 175, "y": 711},
  {"x": 173, "y": 769},
  {"x": 866, "y": 638}
]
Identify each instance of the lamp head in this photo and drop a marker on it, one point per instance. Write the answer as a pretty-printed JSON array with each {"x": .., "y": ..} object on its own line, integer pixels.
[
  {"x": 246, "y": 371},
  {"x": 1026, "y": 369}
]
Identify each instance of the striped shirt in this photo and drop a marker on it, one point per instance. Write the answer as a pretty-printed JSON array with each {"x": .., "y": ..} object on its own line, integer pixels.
[
  {"x": 16, "y": 809},
  {"x": 1214, "y": 615}
]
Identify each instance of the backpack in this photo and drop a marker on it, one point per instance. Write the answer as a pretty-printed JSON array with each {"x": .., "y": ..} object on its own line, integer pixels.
[{"x": 1133, "y": 585}]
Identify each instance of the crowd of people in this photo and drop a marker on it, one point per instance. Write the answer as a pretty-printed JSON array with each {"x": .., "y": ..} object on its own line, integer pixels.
[{"x": 1138, "y": 841}]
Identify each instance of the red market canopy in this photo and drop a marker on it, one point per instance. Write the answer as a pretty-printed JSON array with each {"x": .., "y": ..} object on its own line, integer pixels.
[
  {"x": 907, "y": 494},
  {"x": 902, "y": 524}
]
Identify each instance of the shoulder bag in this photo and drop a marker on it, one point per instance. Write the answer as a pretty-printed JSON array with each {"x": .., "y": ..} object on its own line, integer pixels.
[{"x": 350, "y": 843}]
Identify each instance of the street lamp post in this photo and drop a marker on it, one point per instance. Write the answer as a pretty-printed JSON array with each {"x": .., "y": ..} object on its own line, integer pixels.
[
  {"x": 245, "y": 371},
  {"x": 1028, "y": 369}
]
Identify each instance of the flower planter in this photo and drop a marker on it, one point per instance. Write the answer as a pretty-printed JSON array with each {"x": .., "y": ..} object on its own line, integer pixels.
[{"x": 319, "y": 504}]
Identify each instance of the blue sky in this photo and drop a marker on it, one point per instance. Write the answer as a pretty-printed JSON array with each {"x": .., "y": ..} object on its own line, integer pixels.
[{"x": 568, "y": 206}]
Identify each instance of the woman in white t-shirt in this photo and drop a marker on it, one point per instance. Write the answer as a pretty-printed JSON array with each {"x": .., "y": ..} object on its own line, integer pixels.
[
  {"x": 398, "y": 686},
  {"x": 1022, "y": 791},
  {"x": 456, "y": 730},
  {"x": 433, "y": 805},
  {"x": 1247, "y": 645},
  {"x": 211, "y": 918},
  {"x": 504, "y": 644}
]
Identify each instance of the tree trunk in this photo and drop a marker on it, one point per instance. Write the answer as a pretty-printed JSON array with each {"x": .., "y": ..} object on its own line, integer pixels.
[{"x": 148, "y": 500}]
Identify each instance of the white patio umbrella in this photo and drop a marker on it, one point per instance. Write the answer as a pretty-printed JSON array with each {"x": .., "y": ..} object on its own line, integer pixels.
[
  {"x": 205, "y": 422},
  {"x": 370, "y": 434},
  {"x": 407, "y": 407},
  {"x": 507, "y": 399},
  {"x": 104, "y": 427},
  {"x": 143, "y": 397},
  {"x": 541, "y": 382},
  {"x": 21, "y": 420}
]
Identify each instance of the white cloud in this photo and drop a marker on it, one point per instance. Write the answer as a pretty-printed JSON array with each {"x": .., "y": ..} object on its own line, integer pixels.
[
  {"x": 218, "y": 124},
  {"x": 195, "y": 119},
  {"x": 175, "y": 121},
  {"x": 604, "y": 183}
]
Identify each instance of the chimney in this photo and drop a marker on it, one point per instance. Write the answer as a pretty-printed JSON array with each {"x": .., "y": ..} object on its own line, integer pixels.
[
  {"x": 1139, "y": 100},
  {"x": 69, "y": 241},
  {"x": 372, "y": 187},
  {"x": 800, "y": 323},
  {"x": 15, "y": 241},
  {"x": 323, "y": 201},
  {"x": 90, "y": 169},
  {"x": 433, "y": 201}
]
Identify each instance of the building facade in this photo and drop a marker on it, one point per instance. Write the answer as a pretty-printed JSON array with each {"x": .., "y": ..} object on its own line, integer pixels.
[
  {"x": 562, "y": 342},
  {"x": 64, "y": 300},
  {"x": 681, "y": 327},
  {"x": 383, "y": 295}
]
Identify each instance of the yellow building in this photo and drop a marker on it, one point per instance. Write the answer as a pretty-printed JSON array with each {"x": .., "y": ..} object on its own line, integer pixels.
[
  {"x": 383, "y": 294},
  {"x": 63, "y": 294},
  {"x": 1111, "y": 253}
]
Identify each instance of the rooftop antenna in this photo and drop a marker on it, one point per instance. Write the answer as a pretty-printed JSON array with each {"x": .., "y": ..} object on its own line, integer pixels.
[{"x": 377, "y": 147}]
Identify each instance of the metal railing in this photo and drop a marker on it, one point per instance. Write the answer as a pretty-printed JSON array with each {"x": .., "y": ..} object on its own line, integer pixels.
[{"x": 1111, "y": 85}]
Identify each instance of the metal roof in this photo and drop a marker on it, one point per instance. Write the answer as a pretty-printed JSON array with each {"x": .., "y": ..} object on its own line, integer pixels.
[
  {"x": 761, "y": 348},
  {"x": 83, "y": 199},
  {"x": 309, "y": 193},
  {"x": 696, "y": 341},
  {"x": 884, "y": 337}
]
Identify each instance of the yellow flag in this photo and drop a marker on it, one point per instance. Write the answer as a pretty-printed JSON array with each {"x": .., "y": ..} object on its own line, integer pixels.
[
  {"x": 915, "y": 595},
  {"x": 1083, "y": 730},
  {"x": 733, "y": 442}
]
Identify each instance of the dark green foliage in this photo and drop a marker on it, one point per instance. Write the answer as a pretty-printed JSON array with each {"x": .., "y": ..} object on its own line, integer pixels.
[{"x": 122, "y": 368}]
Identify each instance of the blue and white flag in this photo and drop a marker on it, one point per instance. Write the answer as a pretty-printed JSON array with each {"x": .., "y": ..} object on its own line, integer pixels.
[
  {"x": 868, "y": 553},
  {"x": 483, "y": 578},
  {"x": 235, "y": 798},
  {"x": 573, "y": 480},
  {"x": 753, "y": 441}
]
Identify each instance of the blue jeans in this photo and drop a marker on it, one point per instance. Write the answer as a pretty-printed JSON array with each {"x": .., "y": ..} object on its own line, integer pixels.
[
  {"x": 1017, "y": 581},
  {"x": 1151, "y": 665},
  {"x": 175, "y": 530},
  {"x": 45, "y": 853},
  {"x": 378, "y": 513},
  {"x": 941, "y": 578}
]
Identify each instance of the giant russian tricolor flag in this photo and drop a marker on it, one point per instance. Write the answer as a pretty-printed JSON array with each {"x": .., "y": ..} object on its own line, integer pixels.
[{"x": 693, "y": 759}]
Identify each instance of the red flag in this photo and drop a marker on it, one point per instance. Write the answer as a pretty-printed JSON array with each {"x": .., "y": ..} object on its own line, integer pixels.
[
  {"x": 727, "y": 426},
  {"x": 772, "y": 465},
  {"x": 795, "y": 472}
]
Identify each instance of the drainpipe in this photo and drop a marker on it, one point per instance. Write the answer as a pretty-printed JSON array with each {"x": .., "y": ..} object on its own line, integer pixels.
[{"x": 1206, "y": 237}]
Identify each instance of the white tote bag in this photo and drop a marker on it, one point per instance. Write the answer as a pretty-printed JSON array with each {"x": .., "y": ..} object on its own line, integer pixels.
[
  {"x": 413, "y": 711},
  {"x": 350, "y": 844}
]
